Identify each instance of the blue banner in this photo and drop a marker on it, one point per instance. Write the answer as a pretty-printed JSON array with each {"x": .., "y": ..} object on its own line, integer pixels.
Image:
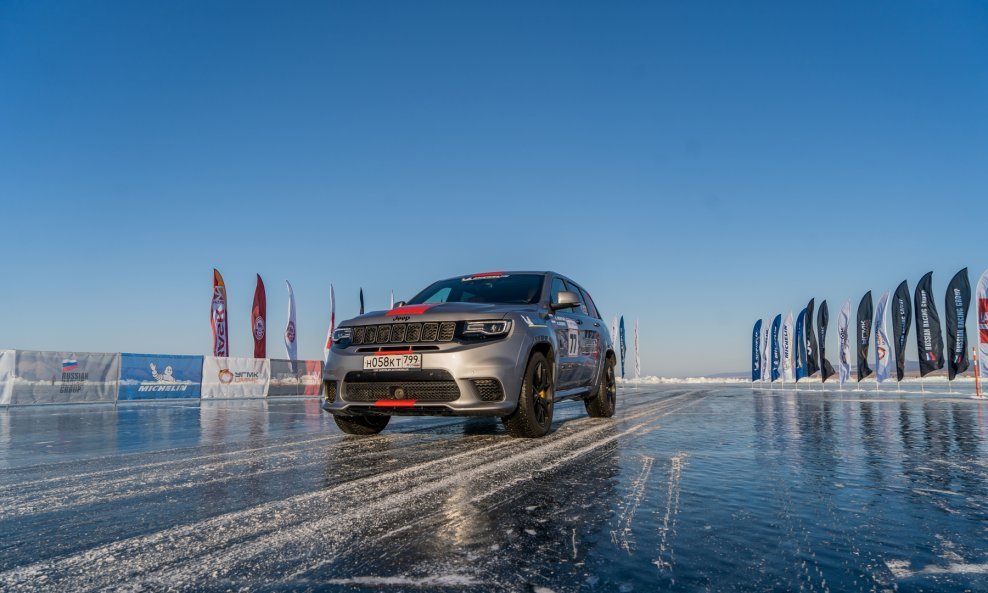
[
  {"x": 801, "y": 366},
  {"x": 776, "y": 353},
  {"x": 623, "y": 347},
  {"x": 756, "y": 352},
  {"x": 160, "y": 376}
]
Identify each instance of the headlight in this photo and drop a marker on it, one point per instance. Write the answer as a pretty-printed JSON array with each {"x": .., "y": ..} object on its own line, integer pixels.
[
  {"x": 487, "y": 328},
  {"x": 343, "y": 334}
]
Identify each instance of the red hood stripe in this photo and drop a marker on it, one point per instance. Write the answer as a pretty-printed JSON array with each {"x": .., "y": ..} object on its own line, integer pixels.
[{"x": 410, "y": 309}]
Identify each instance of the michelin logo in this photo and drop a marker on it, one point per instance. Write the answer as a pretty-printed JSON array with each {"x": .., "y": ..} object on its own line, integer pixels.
[{"x": 163, "y": 382}]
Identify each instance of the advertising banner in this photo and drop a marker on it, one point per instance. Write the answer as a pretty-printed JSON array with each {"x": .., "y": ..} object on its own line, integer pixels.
[
  {"x": 800, "y": 353},
  {"x": 756, "y": 351},
  {"x": 295, "y": 377},
  {"x": 843, "y": 345},
  {"x": 788, "y": 366},
  {"x": 955, "y": 310},
  {"x": 225, "y": 378},
  {"x": 865, "y": 316},
  {"x": 6, "y": 375},
  {"x": 291, "y": 344},
  {"x": 218, "y": 316},
  {"x": 812, "y": 365},
  {"x": 258, "y": 320},
  {"x": 159, "y": 376},
  {"x": 981, "y": 298},
  {"x": 902, "y": 318},
  {"x": 822, "y": 319},
  {"x": 776, "y": 351},
  {"x": 929, "y": 338},
  {"x": 883, "y": 357},
  {"x": 64, "y": 377}
]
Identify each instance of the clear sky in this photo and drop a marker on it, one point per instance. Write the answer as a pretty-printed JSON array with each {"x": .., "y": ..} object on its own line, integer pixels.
[{"x": 694, "y": 164}]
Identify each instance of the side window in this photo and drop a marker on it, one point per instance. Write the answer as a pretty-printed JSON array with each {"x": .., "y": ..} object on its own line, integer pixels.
[
  {"x": 557, "y": 287},
  {"x": 589, "y": 301},
  {"x": 583, "y": 301}
]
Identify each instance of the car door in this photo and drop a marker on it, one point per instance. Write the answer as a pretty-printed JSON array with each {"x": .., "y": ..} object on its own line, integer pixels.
[
  {"x": 588, "y": 325},
  {"x": 566, "y": 325}
]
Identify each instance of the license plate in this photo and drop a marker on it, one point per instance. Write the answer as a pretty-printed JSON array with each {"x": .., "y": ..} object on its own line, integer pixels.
[{"x": 392, "y": 362}]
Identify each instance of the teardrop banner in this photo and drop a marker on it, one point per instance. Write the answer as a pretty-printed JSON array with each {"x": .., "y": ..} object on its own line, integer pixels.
[
  {"x": 822, "y": 319},
  {"x": 929, "y": 339},
  {"x": 865, "y": 315},
  {"x": 956, "y": 305},
  {"x": 902, "y": 317}
]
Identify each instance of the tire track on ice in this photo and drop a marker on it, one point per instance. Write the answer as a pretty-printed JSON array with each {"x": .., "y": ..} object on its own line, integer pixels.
[
  {"x": 622, "y": 535},
  {"x": 243, "y": 541}
]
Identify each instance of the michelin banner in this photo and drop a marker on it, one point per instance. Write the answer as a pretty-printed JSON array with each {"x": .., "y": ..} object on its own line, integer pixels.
[
  {"x": 64, "y": 377},
  {"x": 224, "y": 378},
  {"x": 159, "y": 376},
  {"x": 295, "y": 377},
  {"x": 6, "y": 376}
]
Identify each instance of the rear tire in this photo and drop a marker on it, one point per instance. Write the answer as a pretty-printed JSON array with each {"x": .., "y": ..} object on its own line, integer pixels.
[
  {"x": 361, "y": 425},
  {"x": 533, "y": 416},
  {"x": 602, "y": 404}
]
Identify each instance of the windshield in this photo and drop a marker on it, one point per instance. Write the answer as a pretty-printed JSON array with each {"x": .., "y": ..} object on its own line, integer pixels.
[{"x": 513, "y": 289}]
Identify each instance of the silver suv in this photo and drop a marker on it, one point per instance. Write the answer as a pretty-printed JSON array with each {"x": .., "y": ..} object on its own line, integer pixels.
[{"x": 507, "y": 344}]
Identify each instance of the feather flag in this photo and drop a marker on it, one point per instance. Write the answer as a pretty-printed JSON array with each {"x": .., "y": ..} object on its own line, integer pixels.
[
  {"x": 614, "y": 331},
  {"x": 844, "y": 344},
  {"x": 218, "y": 316},
  {"x": 929, "y": 339},
  {"x": 776, "y": 351},
  {"x": 361, "y": 301},
  {"x": 958, "y": 301},
  {"x": 865, "y": 314},
  {"x": 822, "y": 319},
  {"x": 982, "y": 305},
  {"x": 766, "y": 355},
  {"x": 623, "y": 347},
  {"x": 332, "y": 324},
  {"x": 291, "y": 345},
  {"x": 801, "y": 366},
  {"x": 756, "y": 353},
  {"x": 811, "y": 357},
  {"x": 258, "y": 320},
  {"x": 883, "y": 356},
  {"x": 392, "y": 305},
  {"x": 788, "y": 370},
  {"x": 902, "y": 317}
]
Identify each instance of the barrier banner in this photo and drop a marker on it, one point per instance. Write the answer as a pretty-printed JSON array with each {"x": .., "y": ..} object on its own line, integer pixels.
[
  {"x": 6, "y": 375},
  {"x": 235, "y": 377},
  {"x": 295, "y": 377},
  {"x": 159, "y": 376},
  {"x": 64, "y": 377}
]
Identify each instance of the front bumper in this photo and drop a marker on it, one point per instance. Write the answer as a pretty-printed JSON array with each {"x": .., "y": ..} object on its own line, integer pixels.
[{"x": 456, "y": 379}]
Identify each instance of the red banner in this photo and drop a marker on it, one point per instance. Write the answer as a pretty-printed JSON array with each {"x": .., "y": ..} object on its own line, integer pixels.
[
  {"x": 218, "y": 318},
  {"x": 258, "y": 320}
]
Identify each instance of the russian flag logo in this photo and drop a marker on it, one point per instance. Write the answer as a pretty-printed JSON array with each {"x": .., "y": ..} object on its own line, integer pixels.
[{"x": 69, "y": 365}]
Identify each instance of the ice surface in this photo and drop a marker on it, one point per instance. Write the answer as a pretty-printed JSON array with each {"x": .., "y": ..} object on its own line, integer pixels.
[{"x": 690, "y": 487}]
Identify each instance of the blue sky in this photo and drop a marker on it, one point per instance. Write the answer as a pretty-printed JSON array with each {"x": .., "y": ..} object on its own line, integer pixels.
[{"x": 695, "y": 164}]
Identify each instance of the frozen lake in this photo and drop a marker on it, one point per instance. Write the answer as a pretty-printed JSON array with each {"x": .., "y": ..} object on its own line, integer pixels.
[{"x": 706, "y": 487}]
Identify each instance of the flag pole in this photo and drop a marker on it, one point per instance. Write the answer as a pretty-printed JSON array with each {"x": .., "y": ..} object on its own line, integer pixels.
[{"x": 977, "y": 372}]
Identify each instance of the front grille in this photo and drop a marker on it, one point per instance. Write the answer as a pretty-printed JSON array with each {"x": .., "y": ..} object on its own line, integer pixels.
[
  {"x": 489, "y": 390},
  {"x": 404, "y": 333},
  {"x": 424, "y": 391},
  {"x": 329, "y": 391}
]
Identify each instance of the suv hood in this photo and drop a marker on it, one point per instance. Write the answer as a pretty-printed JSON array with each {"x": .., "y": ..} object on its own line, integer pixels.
[{"x": 441, "y": 312}]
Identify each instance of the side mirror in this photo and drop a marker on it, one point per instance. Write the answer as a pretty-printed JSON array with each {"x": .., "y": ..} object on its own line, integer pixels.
[
  {"x": 565, "y": 300},
  {"x": 400, "y": 304}
]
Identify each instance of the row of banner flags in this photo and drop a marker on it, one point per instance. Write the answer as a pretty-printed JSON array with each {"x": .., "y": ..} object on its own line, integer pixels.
[
  {"x": 258, "y": 319},
  {"x": 617, "y": 330},
  {"x": 790, "y": 350}
]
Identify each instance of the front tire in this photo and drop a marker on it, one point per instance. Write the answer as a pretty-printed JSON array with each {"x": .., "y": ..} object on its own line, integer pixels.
[
  {"x": 361, "y": 425},
  {"x": 533, "y": 416},
  {"x": 602, "y": 405}
]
